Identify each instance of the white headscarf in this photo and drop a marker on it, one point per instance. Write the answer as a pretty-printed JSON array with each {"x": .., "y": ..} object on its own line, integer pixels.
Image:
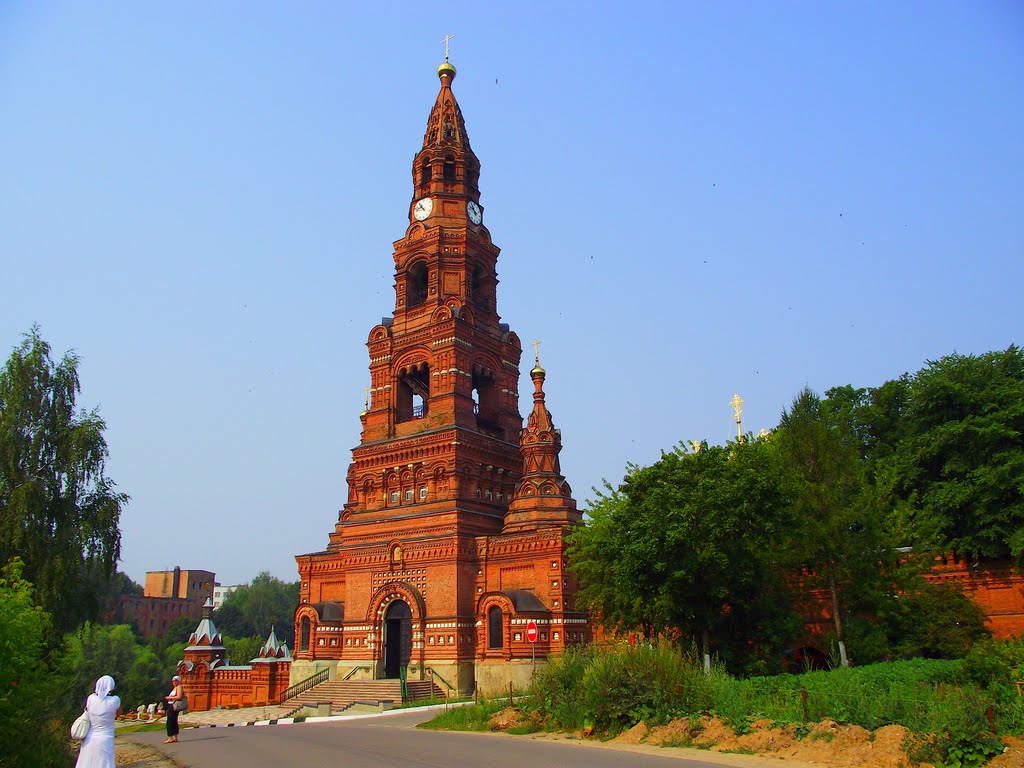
[{"x": 104, "y": 686}]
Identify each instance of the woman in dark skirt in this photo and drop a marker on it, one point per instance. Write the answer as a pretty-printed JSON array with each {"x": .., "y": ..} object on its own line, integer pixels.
[{"x": 177, "y": 694}]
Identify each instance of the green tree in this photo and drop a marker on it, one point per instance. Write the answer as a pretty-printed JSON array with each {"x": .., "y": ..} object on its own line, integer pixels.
[
  {"x": 252, "y": 609},
  {"x": 141, "y": 671},
  {"x": 688, "y": 541},
  {"x": 244, "y": 649},
  {"x": 837, "y": 538},
  {"x": 147, "y": 680},
  {"x": 59, "y": 511},
  {"x": 179, "y": 630},
  {"x": 32, "y": 722},
  {"x": 960, "y": 459},
  {"x": 604, "y": 587},
  {"x": 230, "y": 619},
  {"x": 93, "y": 651}
]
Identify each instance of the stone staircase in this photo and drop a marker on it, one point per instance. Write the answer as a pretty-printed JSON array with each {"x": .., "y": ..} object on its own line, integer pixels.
[{"x": 343, "y": 694}]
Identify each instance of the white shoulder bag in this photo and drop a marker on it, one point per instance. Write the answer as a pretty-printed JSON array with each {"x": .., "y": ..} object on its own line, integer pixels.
[{"x": 80, "y": 728}]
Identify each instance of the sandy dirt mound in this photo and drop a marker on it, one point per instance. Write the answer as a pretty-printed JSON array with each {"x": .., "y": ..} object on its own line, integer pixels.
[
  {"x": 768, "y": 738},
  {"x": 827, "y": 742},
  {"x": 634, "y": 735},
  {"x": 715, "y": 735},
  {"x": 677, "y": 733},
  {"x": 1013, "y": 757},
  {"x": 509, "y": 717}
]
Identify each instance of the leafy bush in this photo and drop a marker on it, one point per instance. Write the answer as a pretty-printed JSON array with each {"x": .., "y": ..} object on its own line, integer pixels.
[
  {"x": 617, "y": 687},
  {"x": 935, "y": 621},
  {"x": 33, "y": 728},
  {"x": 556, "y": 689},
  {"x": 998, "y": 665}
]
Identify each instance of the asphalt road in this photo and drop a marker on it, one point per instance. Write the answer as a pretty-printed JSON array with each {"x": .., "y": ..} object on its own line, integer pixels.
[{"x": 389, "y": 741}]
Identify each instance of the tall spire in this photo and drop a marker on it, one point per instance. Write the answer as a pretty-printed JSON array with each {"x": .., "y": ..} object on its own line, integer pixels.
[
  {"x": 543, "y": 497},
  {"x": 446, "y": 126},
  {"x": 445, "y": 167}
]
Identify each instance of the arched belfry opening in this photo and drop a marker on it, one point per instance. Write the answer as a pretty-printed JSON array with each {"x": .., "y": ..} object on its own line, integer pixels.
[
  {"x": 449, "y": 168},
  {"x": 397, "y": 638},
  {"x": 481, "y": 288},
  {"x": 485, "y": 399},
  {"x": 412, "y": 394},
  {"x": 416, "y": 285},
  {"x": 426, "y": 174}
]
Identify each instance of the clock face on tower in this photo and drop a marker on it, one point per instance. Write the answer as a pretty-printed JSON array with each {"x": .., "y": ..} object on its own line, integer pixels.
[
  {"x": 474, "y": 212},
  {"x": 423, "y": 208}
]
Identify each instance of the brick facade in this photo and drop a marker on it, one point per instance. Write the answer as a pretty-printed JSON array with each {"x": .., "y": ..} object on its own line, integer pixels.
[
  {"x": 210, "y": 681},
  {"x": 452, "y": 536},
  {"x": 167, "y": 596},
  {"x": 997, "y": 587}
]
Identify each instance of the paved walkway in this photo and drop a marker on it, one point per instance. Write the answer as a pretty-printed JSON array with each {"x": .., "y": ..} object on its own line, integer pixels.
[
  {"x": 268, "y": 714},
  {"x": 233, "y": 716}
]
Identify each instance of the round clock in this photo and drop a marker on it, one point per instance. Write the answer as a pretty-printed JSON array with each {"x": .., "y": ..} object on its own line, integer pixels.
[
  {"x": 474, "y": 212},
  {"x": 422, "y": 208}
]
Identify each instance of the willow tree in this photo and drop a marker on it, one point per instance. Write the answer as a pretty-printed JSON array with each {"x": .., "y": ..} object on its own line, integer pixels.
[{"x": 59, "y": 511}]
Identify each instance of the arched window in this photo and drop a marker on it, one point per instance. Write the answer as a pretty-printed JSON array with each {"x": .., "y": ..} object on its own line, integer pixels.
[
  {"x": 449, "y": 168},
  {"x": 494, "y": 633},
  {"x": 416, "y": 284},
  {"x": 304, "y": 634},
  {"x": 427, "y": 173}
]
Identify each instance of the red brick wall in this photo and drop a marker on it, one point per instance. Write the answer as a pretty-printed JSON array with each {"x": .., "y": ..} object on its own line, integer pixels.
[{"x": 262, "y": 683}]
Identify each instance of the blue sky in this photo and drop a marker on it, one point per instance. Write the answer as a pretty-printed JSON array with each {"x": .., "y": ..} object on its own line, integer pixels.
[{"x": 692, "y": 200}]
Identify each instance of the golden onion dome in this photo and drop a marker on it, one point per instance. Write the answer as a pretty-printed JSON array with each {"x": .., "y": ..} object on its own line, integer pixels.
[{"x": 444, "y": 69}]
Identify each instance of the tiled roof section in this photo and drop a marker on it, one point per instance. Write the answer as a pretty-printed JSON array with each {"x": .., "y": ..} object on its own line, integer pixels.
[
  {"x": 273, "y": 650},
  {"x": 206, "y": 636}
]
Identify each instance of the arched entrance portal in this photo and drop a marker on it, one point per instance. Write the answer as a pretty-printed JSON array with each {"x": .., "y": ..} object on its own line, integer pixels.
[{"x": 397, "y": 637}]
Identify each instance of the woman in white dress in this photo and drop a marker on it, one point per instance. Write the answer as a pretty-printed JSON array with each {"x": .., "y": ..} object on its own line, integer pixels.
[{"x": 98, "y": 746}]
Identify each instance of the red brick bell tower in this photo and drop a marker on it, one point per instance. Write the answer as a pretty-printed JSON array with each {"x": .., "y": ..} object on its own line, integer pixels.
[{"x": 452, "y": 535}]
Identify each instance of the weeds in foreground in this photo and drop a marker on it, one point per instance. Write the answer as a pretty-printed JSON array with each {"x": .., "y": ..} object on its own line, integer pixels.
[
  {"x": 472, "y": 717},
  {"x": 604, "y": 691}
]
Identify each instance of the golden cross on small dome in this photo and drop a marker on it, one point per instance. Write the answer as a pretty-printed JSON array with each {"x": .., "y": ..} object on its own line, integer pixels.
[
  {"x": 445, "y": 41},
  {"x": 366, "y": 402},
  {"x": 536, "y": 351}
]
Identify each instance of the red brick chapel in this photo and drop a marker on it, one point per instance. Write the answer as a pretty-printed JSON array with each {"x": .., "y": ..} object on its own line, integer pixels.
[{"x": 453, "y": 535}]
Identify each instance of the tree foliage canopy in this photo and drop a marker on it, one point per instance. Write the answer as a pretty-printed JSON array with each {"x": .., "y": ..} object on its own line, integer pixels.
[
  {"x": 945, "y": 447},
  {"x": 59, "y": 511},
  {"x": 252, "y": 609},
  {"x": 32, "y": 730},
  {"x": 960, "y": 458},
  {"x": 682, "y": 546},
  {"x": 932, "y": 461}
]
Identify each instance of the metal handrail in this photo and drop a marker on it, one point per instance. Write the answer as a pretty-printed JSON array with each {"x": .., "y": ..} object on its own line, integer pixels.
[
  {"x": 304, "y": 685},
  {"x": 433, "y": 674},
  {"x": 354, "y": 670}
]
